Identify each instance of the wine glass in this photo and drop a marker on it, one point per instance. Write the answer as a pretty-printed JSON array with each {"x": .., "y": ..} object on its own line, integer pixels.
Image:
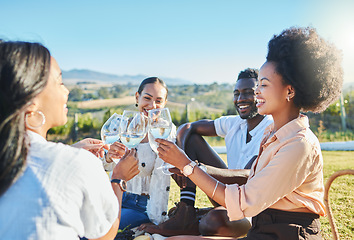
[
  {"x": 132, "y": 128},
  {"x": 110, "y": 130},
  {"x": 160, "y": 126}
]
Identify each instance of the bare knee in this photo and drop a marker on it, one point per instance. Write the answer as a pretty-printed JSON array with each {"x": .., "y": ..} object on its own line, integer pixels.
[
  {"x": 211, "y": 224},
  {"x": 217, "y": 223}
]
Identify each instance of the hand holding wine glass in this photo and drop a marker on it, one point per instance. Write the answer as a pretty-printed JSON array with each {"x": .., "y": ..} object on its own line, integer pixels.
[{"x": 160, "y": 126}]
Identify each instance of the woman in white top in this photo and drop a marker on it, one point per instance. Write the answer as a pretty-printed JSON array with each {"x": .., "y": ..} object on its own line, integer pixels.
[
  {"x": 146, "y": 199},
  {"x": 49, "y": 190}
]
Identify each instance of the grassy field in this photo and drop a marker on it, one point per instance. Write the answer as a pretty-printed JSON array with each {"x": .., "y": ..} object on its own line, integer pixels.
[{"x": 341, "y": 194}]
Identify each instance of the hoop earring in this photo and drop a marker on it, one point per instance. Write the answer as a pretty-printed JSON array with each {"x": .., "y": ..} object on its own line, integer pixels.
[
  {"x": 31, "y": 114},
  {"x": 136, "y": 105}
]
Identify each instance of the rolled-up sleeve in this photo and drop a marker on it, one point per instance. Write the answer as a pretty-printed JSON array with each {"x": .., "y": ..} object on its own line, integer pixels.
[{"x": 232, "y": 201}]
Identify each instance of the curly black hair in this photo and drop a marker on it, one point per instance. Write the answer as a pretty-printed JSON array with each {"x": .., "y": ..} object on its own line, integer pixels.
[
  {"x": 310, "y": 64},
  {"x": 248, "y": 73}
]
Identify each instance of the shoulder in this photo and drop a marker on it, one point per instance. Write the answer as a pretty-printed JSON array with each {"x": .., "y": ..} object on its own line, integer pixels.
[
  {"x": 234, "y": 119},
  {"x": 63, "y": 155},
  {"x": 310, "y": 139},
  {"x": 304, "y": 145}
]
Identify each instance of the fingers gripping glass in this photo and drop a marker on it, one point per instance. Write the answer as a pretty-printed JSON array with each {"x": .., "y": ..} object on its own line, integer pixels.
[{"x": 160, "y": 126}]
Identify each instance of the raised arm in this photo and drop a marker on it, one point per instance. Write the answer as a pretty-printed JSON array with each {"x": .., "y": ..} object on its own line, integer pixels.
[
  {"x": 170, "y": 153},
  {"x": 228, "y": 176},
  {"x": 202, "y": 127}
]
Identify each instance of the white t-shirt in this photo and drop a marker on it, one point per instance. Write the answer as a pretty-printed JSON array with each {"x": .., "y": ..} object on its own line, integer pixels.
[
  {"x": 234, "y": 130},
  {"x": 63, "y": 193}
]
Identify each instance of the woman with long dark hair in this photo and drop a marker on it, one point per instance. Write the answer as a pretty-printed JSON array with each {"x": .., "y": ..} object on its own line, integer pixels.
[{"x": 49, "y": 190}]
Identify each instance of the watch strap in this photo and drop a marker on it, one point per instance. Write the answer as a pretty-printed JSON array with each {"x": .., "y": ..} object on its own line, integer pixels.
[{"x": 120, "y": 184}]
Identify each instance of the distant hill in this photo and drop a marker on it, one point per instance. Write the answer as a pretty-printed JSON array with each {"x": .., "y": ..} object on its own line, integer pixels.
[{"x": 75, "y": 76}]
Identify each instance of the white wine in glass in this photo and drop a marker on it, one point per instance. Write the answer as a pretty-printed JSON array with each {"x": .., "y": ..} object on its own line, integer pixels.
[
  {"x": 110, "y": 131},
  {"x": 132, "y": 128},
  {"x": 160, "y": 126}
]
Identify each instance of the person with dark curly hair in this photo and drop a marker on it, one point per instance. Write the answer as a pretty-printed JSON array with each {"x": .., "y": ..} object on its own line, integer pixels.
[{"x": 284, "y": 191}]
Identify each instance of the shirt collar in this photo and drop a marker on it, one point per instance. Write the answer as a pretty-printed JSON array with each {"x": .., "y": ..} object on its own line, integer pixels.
[
  {"x": 35, "y": 137},
  {"x": 291, "y": 128}
]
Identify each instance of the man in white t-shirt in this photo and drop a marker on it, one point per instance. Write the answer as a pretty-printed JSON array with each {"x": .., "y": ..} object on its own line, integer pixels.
[{"x": 243, "y": 134}]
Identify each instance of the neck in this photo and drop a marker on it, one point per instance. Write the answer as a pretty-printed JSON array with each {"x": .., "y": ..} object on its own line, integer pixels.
[
  {"x": 253, "y": 122},
  {"x": 40, "y": 131},
  {"x": 283, "y": 118}
]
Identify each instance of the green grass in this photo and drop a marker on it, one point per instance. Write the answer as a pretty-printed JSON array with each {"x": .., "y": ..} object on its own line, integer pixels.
[{"x": 341, "y": 194}]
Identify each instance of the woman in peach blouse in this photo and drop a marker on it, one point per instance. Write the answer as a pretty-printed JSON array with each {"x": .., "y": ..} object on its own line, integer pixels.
[{"x": 284, "y": 191}]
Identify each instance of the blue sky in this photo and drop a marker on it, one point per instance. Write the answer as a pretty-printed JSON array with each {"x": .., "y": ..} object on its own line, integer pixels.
[{"x": 202, "y": 41}]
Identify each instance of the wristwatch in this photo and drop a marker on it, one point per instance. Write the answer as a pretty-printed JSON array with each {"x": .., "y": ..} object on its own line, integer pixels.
[
  {"x": 188, "y": 169},
  {"x": 121, "y": 183}
]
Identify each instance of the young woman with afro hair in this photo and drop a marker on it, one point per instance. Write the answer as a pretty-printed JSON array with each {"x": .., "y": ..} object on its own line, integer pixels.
[{"x": 284, "y": 191}]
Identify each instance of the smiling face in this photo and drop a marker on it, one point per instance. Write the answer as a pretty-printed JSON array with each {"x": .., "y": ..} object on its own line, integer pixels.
[
  {"x": 244, "y": 97},
  {"x": 271, "y": 92},
  {"x": 153, "y": 96},
  {"x": 53, "y": 99}
]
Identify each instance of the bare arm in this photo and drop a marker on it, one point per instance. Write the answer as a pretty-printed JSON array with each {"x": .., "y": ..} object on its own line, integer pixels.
[
  {"x": 229, "y": 176},
  {"x": 202, "y": 127},
  {"x": 170, "y": 153}
]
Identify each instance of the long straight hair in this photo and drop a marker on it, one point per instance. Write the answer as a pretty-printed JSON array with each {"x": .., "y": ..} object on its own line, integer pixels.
[{"x": 24, "y": 71}]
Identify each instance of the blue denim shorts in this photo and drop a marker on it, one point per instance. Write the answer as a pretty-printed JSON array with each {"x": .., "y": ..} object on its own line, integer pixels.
[{"x": 133, "y": 211}]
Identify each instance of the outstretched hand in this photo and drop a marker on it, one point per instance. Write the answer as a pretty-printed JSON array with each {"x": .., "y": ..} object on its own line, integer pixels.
[
  {"x": 95, "y": 146},
  {"x": 127, "y": 167},
  {"x": 116, "y": 151}
]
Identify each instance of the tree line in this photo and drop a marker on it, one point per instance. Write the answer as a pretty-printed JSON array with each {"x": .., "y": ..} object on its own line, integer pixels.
[{"x": 195, "y": 99}]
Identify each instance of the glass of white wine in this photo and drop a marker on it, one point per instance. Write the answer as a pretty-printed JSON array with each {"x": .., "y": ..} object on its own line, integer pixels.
[
  {"x": 132, "y": 128},
  {"x": 160, "y": 126},
  {"x": 110, "y": 130}
]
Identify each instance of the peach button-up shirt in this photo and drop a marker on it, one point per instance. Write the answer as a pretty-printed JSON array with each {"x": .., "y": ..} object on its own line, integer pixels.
[{"x": 287, "y": 175}]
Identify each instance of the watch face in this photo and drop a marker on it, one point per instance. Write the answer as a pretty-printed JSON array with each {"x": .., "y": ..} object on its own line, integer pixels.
[
  {"x": 123, "y": 184},
  {"x": 188, "y": 170}
]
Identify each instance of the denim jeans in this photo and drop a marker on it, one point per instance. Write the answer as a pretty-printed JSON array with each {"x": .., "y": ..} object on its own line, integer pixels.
[{"x": 133, "y": 210}]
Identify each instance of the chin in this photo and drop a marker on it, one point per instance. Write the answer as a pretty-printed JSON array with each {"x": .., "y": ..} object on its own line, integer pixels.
[
  {"x": 244, "y": 116},
  {"x": 63, "y": 122},
  {"x": 262, "y": 112}
]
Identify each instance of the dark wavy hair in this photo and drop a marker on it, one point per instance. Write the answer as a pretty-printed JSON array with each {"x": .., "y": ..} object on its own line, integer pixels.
[
  {"x": 248, "y": 73},
  {"x": 24, "y": 70},
  {"x": 152, "y": 80},
  {"x": 309, "y": 64}
]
